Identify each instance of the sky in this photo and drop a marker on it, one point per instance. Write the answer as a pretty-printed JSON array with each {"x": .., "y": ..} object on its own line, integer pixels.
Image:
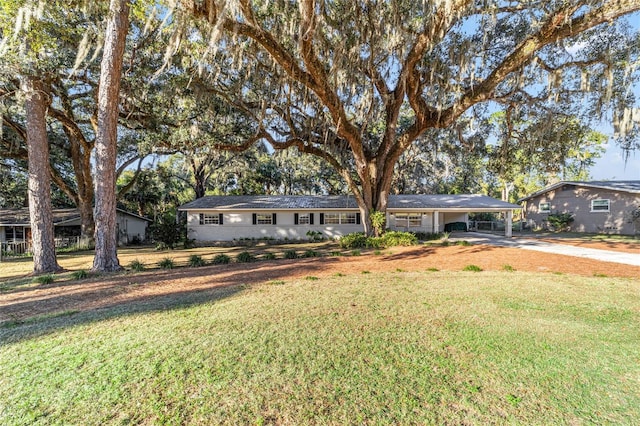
[{"x": 611, "y": 166}]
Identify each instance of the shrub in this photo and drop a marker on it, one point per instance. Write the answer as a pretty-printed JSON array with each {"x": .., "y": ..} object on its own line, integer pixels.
[
  {"x": 375, "y": 242},
  {"x": 221, "y": 259},
  {"x": 314, "y": 235},
  {"x": 276, "y": 282},
  {"x": 355, "y": 240},
  {"x": 336, "y": 253},
  {"x": 428, "y": 236},
  {"x": 311, "y": 278},
  {"x": 245, "y": 257},
  {"x": 44, "y": 279},
  {"x": 378, "y": 221},
  {"x": 196, "y": 260},
  {"x": 463, "y": 243},
  {"x": 79, "y": 275},
  {"x": 310, "y": 253},
  {"x": 397, "y": 238},
  {"x": 167, "y": 233},
  {"x": 290, "y": 254},
  {"x": 167, "y": 263},
  {"x": 472, "y": 268},
  {"x": 136, "y": 265},
  {"x": 269, "y": 256},
  {"x": 560, "y": 221},
  {"x": 356, "y": 252},
  {"x": 508, "y": 268},
  {"x": 432, "y": 269}
]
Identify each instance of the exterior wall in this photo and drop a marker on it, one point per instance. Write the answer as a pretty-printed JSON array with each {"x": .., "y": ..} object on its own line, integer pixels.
[
  {"x": 577, "y": 200},
  {"x": 130, "y": 227},
  {"x": 238, "y": 225}
]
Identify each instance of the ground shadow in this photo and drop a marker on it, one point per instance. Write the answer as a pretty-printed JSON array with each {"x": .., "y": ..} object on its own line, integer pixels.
[{"x": 61, "y": 306}]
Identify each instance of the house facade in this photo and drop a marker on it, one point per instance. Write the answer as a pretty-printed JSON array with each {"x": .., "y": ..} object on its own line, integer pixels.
[
  {"x": 15, "y": 226},
  {"x": 227, "y": 218},
  {"x": 596, "y": 206}
]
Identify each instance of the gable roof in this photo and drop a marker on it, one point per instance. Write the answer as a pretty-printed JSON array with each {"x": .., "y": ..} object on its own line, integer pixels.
[
  {"x": 630, "y": 186},
  {"x": 338, "y": 202},
  {"x": 21, "y": 217}
]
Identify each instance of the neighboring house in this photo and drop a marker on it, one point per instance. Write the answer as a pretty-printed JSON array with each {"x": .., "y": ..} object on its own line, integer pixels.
[
  {"x": 15, "y": 226},
  {"x": 597, "y": 206},
  {"x": 225, "y": 218}
]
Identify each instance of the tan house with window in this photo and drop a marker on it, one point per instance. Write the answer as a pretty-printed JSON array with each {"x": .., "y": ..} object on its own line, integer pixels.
[
  {"x": 611, "y": 207},
  {"x": 227, "y": 218}
]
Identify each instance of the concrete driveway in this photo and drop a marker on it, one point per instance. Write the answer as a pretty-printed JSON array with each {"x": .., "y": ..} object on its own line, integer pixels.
[{"x": 544, "y": 246}]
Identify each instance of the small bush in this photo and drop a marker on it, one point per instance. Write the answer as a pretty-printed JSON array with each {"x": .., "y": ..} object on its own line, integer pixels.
[
  {"x": 310, "y": 253},
  {"x": 473, "y": 268},
  {"x": 167, "y": 263},
  {"x": 355, "y": 240},
  {"x": 375, "y": 242},
  {"x": 560, "y": 221},
  {"x": 79, "y": 275},
  {"x": 397, "y": 238},
  {"x": 366, "y": 272},
  {"x": 508, "y": 268},
  {"x": 428, "y": 236},
  {"x": 463, "y": 243},
  {"x": 377, "y": 252},
  {"x": 339, "y": 274},
  {"x": 336, "y": 253},
  {"x": 290, "y": 254},
  {"x": 44, "y": 279},
  {"x": 432, "y": 269},
  {"x": 136, "y": 265},
  {"x": 356, "y": 252},
  {"x": 276, "y": 282},
  {"x": 445, "y": 243},
  {"x": 195, "y": 261},
  {"x": 310, "y": 278},
  {"x": 314, "y": 235},
  {"x": 245, "y": 257},
  {"x": 269, "y": 256},
  {"x": 221, "y": 259}
]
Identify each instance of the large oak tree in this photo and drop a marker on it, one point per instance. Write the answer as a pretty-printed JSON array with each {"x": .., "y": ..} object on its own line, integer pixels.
[{"x": 332, "y": 77}]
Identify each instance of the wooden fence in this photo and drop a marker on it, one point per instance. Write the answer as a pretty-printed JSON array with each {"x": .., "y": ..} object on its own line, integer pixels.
[{"x": 19, "y": 249}]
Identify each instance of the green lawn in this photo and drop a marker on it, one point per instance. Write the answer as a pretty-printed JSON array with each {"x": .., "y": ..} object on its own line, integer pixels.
[{"x": 396, "y": 348}]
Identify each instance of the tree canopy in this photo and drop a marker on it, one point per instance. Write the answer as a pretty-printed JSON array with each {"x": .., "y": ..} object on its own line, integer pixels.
[{"x": 333, "y": 77}]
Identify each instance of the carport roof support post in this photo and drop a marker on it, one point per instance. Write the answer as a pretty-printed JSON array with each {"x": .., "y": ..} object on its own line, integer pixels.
[{"x": 508, "y": 226}]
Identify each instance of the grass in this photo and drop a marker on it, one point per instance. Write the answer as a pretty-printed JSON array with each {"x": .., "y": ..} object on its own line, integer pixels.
[{"x": 411, "y": 348}]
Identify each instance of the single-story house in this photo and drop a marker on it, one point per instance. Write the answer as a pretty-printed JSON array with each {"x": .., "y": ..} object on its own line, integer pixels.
[
  {"x": 225, "y": 218},
  {"x": 596, "y": 206},
  {"x": 15, "y": 226}
]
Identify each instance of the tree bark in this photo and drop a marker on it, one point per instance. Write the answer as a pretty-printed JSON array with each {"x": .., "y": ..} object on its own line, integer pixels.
[
  {"x": 106, "y": 238},
  {"x": 39, "y": 194}
]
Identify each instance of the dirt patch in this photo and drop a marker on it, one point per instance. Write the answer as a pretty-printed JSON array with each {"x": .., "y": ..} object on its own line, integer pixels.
[
  {"x": 624, "y": 247},
  {"x": 164, "y": 286}
]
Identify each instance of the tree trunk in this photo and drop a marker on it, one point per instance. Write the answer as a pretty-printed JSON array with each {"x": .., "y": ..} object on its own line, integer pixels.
[
  {"x": 106, "y": 238},
  {"x": 39, "y": 194}
]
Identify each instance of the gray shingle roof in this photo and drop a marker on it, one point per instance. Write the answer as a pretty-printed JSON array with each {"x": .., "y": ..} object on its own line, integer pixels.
[
  {"x": 327, "y": 202},
  {"x": 20, "y": 217},
  {"x": 631, "y": 186}
]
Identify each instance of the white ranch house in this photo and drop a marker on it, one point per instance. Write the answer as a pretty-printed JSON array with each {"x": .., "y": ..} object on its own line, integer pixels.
[{"x": 227, "y": 218}]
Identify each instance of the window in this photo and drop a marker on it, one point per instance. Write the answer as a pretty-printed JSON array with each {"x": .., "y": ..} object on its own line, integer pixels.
[
  {"x": 600, "y": 205},
  {"x": 14, "y": 233},
  {"x": 544, "y": 208},
  {"x": 304, "y": 219},
  {"x": 408, "y": 220},
  {"x": 264, "y": 219},
  {"x": 332, "y": 218},
  {"x": 348, "y": 218},
  {"x": 210, "y": 219},
  {"x": 339, "y": 218}
]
